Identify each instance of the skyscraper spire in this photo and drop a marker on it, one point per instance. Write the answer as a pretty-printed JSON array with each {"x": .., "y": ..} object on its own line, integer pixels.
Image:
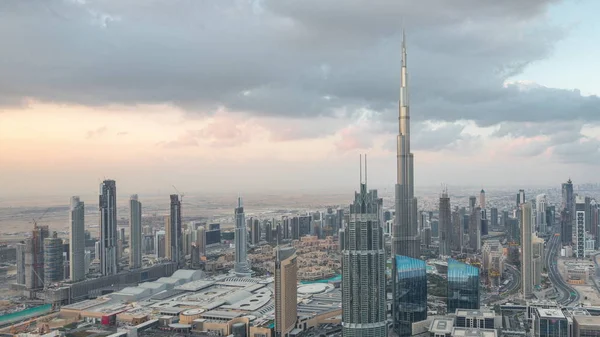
[{"x": 405, "y": 231}]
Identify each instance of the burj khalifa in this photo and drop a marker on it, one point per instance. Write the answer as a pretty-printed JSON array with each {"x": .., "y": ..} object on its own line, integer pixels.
[{"x": 405, "y": 234}]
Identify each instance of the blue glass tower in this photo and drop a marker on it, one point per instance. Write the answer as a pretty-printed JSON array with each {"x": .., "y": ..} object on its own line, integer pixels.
[
  {"x": 463, "y": 286},
  {"x": 410, "y": 293}
]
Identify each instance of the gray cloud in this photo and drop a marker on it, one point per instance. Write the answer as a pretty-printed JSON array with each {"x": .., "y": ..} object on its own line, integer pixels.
[{"x": 290, "y": 58}]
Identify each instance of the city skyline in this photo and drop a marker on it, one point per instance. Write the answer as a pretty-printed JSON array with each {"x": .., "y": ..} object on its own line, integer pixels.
[{"x": 510, "y": 97}]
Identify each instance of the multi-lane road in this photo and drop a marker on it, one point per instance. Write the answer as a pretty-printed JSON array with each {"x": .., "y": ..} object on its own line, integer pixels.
[{"x": 567, "y": 295}]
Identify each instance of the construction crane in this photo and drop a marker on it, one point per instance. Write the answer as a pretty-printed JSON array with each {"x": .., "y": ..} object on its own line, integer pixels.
[
  {"x": 180, "y": 194},
  {"x": 35, "y": 221}
]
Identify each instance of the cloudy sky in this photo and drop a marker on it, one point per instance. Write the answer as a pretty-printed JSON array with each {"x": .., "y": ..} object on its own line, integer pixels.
[{"x": 244, "y": 95}]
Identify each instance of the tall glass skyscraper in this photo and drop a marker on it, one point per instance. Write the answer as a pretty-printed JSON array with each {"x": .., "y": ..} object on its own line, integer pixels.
[
  {"x": 463, "y": 286},
  {"x": 363, "y": 269},
  {"x": 108, "y": 227},
  {"x": 410, "y": 293}
]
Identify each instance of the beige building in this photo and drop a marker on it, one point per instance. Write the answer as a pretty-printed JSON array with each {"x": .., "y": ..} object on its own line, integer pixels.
[{"x": 286, "y": 298}]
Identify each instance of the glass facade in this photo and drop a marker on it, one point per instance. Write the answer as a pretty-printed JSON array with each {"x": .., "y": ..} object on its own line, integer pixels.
[
  {"x": 410, "y": 293},
  {"x": 463, "y": 286},
  {"x": 552, "y": 327}
]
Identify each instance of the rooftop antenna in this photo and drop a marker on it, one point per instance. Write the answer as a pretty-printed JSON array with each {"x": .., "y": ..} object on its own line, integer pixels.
[
  {"x": 360, "y": 179},
  {"x": 365, "y": 168}
]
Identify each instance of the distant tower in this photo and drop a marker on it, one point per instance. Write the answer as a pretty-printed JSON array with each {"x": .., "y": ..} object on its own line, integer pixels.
[
  {"x": 567, "y": 213},
  {"x": 482, "y": 199},
  {"x": 135, "y": 232},
  {"x": 541, "y": 201},
  {"x": 526, "y": 252},
  {"x": 363, "y": 268},
  {"x": 472, "y": 203},
  {"x": 405, "y": 233},
  {"x": 242, "y": 267},
  {"x": 445, "y": 223},
  {"x": 21, "y": 263},
  {"x": 77, "y": 240},
  {"x": 108, "y": 227},
  {"x": 520, "y": 198},
  {"x": 286, "y": 269},
  {"x": 53, "y": 260},
  {"x": 173, "y": 240},
  {"x": 579, "y": 229}
]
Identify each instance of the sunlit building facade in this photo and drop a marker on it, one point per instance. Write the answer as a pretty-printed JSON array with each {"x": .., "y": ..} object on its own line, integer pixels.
[
  {"x": 463, "y": 286},
  {"x": 410, "y": 293}
]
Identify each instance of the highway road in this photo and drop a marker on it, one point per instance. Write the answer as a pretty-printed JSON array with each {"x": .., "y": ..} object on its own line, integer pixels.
[{"x": 567, "y": 295}]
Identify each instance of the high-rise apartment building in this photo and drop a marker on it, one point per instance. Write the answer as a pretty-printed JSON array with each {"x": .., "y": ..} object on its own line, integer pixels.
[
  {"x": 475, "y": 229},
  {"x": 135, "y": 232},
  {"x": 579, "y": 230},
  {"x": 53, "y": 260},
  {"x": 173, "y": 234},
  {"x": 242, "y": 267},
  {"x": 463, "y": 286},
  {"x": 108, "y": 227},
  {"x": 494, "y": 217},
  {"x": 457, "y": 230},
  {"x": 77, "y": 240},
  {"x": 363, "y": 269},
  {"x": 567, "y": 213},
  {"x": 541, "y": 201},
  {"x": 445, "y": 224},
  {"x": 286, "y": 269},
  {"x": 482, "y": 203},
  {"x": 409, "y": 294},
  {"x": 160, "y": 244},
  {"x": 405, "y": 234},
  {"x": 526, "y": 252}
]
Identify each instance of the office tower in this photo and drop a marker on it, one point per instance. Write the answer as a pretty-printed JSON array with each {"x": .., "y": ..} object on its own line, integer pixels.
[
  {"x": 457, "y": 230},
  {"x": 585, "y": 326},
  {"x": 256, "y": 231},
  {"x": 475, "y": 229},
  {"x": 285, "y": 227},
  {"x": 520, "y": 198},
  {"x": 526, "y": 252},
  {"x": 286, "y": 269},
  {"x": 340, "y": 218},
  {"x": 541, "y": 201},
  {"x": 595, "y": 219},
  {"x": 405, "y": 234},
  {"x": 482, "y": 199},
  {"x": 53, "y": 260},
  {"x": 304, "y": 225},
  {"x": 242, "y": 267},
  {"x": 409, "y": 294},
  {"x": 268, "y": 231},
  {"x": 173, "y": 233},
  {"x": 108, "y": 227},
  {"x": 463, "y": 286},
  {"x": 567, "y": 218},
  {"x": 426, "y": 237},
  {"x": 186, "y": 240},
  {"x": 472, "y": 203},
  {"x": 201, "y": 240},
  {"x": 363, "y": 268},
  {"x": 135, "y": 232},
  {"x": 484, "y": 223},
  {"x": 20, "y": 248},
  {"x": 494, "y": 217},
  {"x": 579, "y": 230},
  {"x": 77, "y": 240},
  {"x": 159, "y": 244},
  {"x": 505, "y": 218}
]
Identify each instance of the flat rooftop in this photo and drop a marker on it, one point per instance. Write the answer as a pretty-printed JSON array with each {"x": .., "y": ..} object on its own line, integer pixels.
[
  {"x": 441, "y": 325},
  {"x": 487, "y": 313},
  {"x": 550, "y": 313},
  {"x": 588, "y": 321}
]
